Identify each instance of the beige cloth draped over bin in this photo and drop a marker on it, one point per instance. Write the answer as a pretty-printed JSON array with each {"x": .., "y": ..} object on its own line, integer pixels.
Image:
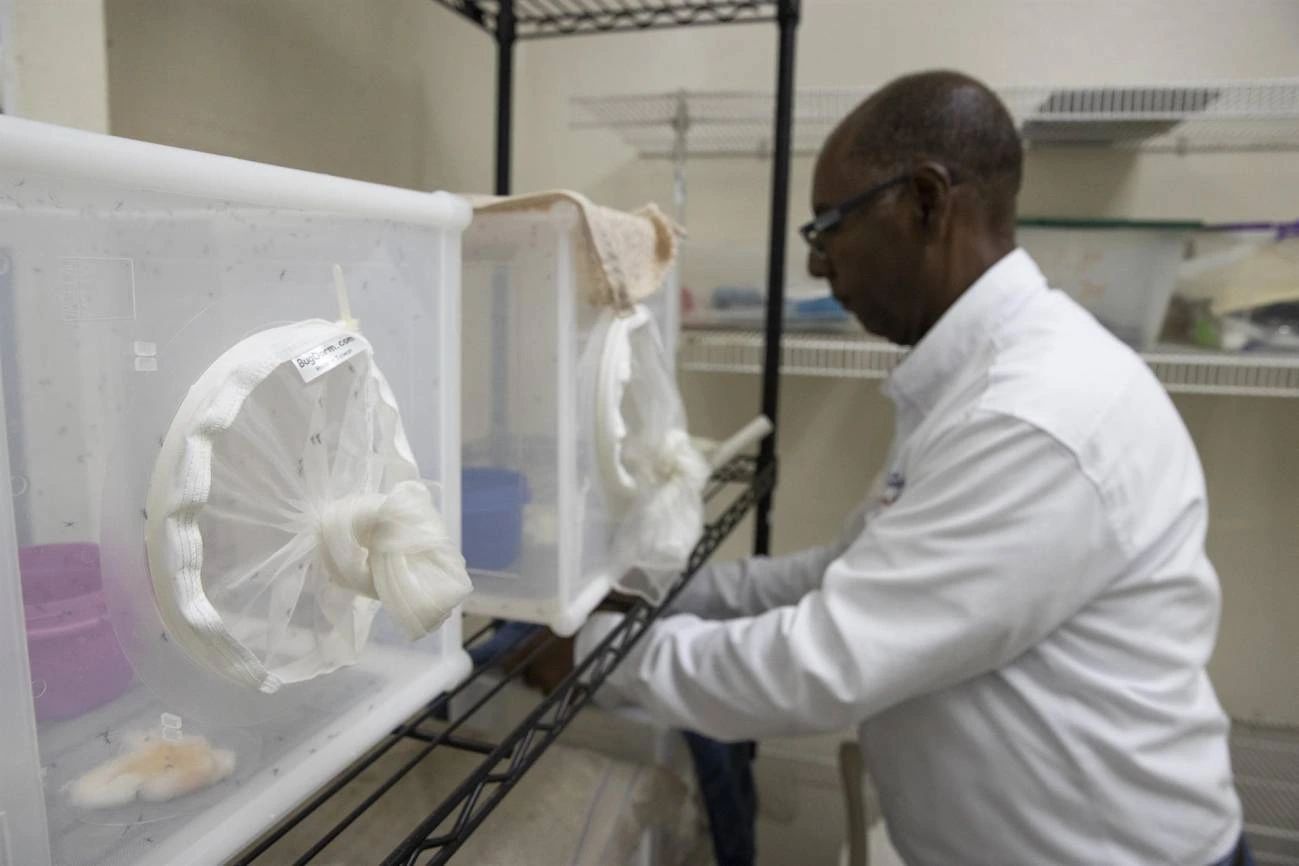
[{"x": 628, "y": 256}]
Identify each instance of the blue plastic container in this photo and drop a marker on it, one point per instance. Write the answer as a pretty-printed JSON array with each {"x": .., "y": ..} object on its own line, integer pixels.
[{"x": 491, "y": 516}]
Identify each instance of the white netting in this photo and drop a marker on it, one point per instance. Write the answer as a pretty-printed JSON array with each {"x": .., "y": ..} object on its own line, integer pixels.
[
  {"x": 651, "y": 473},
  {"x": 286, "y": 506}
]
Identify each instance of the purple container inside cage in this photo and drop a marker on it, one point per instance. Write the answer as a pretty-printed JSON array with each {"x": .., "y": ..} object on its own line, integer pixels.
[
  {"x": 491, "y": 516},
  {"x": 76, "y": 662}
]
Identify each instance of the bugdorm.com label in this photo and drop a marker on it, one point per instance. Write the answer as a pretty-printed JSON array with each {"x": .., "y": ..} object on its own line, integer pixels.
[{"x": 320, "y": 360}]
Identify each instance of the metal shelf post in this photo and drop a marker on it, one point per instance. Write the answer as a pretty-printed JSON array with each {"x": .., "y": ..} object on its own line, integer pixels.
[
  {"x": 505, "y": 41},
  {"x": 783, "y": 137}
]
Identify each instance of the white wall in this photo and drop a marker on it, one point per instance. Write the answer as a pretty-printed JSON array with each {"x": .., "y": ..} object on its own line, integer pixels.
[
  {"x": 400, "y": 91},
  {"x": 391, "y": 91},
  {"x": 53, "y": 60}
]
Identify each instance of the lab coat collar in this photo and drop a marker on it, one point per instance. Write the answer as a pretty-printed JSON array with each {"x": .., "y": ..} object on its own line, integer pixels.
[{"x": 969, "y": 325}]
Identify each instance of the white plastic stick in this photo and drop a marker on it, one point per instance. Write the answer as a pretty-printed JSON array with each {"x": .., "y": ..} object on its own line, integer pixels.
[
  {"x": 748, "y": 434},
  {"x": 344, "y": 307}
]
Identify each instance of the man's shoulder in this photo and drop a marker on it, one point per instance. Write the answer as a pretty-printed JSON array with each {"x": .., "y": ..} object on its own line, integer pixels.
[
  {"x": 1059, "y": 370},
  {"x": 1069, "y": 378}
]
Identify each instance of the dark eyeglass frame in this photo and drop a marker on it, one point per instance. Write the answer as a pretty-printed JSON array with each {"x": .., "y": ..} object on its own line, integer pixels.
[{"x": 828, "y": 220}]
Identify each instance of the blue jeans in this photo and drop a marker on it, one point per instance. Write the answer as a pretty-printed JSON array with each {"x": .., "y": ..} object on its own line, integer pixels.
[
  {"x": 1242, "y": 856},
  {"x": 507, "y": 634},
  {"x": 725, "y": 774}
]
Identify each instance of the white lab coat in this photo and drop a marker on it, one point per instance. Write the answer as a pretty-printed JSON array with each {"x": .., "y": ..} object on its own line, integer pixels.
[{"x": 1018, "y": 619}]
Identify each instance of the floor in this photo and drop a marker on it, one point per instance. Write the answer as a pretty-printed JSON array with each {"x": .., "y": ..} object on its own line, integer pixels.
[
  {"x": 802, "y": 818},
  {"x": 802, "y": 815},
  {"x": 808, "y": 815},
  {"x": 547, "y": 818}
]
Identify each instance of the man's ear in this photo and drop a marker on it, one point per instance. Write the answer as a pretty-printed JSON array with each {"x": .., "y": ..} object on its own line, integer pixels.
[{"x": 931, "y": 187}]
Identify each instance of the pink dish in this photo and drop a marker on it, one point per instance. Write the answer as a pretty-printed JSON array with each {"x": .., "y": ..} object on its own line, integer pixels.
[{"x": 76, "y": 662}]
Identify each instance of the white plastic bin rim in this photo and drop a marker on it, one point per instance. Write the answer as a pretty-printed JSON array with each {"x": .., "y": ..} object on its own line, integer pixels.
[{"x": 39, "y": 148}]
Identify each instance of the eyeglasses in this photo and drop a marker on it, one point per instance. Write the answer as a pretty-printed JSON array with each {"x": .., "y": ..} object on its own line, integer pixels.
[{"x": 828, "y": 220}]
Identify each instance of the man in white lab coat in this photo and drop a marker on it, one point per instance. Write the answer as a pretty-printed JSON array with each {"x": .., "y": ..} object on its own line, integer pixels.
[{"x": 1019, "y": 617}]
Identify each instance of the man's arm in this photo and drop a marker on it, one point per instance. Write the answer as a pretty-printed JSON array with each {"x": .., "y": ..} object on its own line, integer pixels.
[
  {"x": 748, "y": 587},
  {"x": 1000, "y": 540}
]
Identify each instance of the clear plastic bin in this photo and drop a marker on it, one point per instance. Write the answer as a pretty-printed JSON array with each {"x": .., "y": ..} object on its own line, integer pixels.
[
  {"x": 1124, "y": 273},
  {"x": 126, "y": 269},
  {"x": 537, "y": 523},
  {"x": 665, "y": 306}
]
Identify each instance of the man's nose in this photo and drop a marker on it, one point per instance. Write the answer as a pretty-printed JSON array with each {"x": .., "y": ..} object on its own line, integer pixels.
[{"x": 817, "y": 265}]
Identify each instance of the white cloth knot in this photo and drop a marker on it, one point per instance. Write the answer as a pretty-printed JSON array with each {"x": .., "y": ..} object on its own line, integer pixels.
[
  {"x": 667, "y": 517},
  {"x": 395, "y": 548},
  {"x": 677, "y": 460}
]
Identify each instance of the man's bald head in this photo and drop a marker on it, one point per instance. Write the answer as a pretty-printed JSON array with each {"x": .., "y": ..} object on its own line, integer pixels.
[
  {"x": 946, "y": 117},
  {"x": 915, "y": 198}
]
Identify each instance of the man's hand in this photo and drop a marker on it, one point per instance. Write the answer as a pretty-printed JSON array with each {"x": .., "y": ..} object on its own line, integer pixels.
[
  {"x": 616, "y": 602},
  {"x": 549, "y": 668}
]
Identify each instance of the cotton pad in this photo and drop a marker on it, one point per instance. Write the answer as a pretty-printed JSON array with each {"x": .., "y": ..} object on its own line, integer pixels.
[{"x": 153, "y": 770}]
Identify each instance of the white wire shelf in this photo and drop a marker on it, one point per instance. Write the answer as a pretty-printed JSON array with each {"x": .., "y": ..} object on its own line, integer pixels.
[
  {"x": 1266, "y": 764},
  {"x": 1183, "y": 370},
  {"x": 1182, "y": 117}
]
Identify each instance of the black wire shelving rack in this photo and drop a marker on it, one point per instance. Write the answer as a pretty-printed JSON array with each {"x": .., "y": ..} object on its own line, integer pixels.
[
  {"x": 437, "y": 837},
  {"x": 509, "y": 21},
  {"x": 535, "y": 19},
  {"x": 441, "y": 833}
]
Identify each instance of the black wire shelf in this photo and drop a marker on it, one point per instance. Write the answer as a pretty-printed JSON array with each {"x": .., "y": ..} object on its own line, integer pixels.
[
  {"x": 538, "y": 19},
  {"x": 441, "y": 833}
]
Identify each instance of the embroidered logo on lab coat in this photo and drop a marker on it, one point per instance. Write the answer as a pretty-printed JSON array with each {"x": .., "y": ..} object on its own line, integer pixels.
[{"x": 893, "y": 488}]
